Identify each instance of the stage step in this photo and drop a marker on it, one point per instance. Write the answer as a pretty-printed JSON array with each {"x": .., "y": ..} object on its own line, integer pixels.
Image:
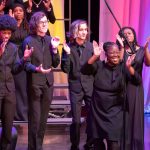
[
  {"x": 61, "y": 85},
  {"x": 60, "y": 102},
  {"x": 56, "y": 70},
  {"x": 63, "y": 102},
  {"x": 52, "y": 121}
]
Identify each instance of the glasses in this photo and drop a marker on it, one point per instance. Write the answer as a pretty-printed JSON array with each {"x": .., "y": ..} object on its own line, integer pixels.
[{"x": 43, "y": 22}]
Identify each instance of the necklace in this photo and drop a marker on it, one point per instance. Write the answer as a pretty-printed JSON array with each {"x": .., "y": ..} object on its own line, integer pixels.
[
  {"x": 129, "y": 53},
  {"x": 37, "y": 5}
]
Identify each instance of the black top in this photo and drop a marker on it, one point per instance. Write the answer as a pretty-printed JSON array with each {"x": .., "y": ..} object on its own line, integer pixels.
[
  {"x": 106, "y": 106},
  {"x": 50, "y": 14},
  {"x": 9, "y": 4},
  {"x": 18, "y": 37},
  {"x": 42, "y": 54},
  {"x": 135, "y": 97},
  {"x": 73, "y": 65},
  {"x": 9, "y": 64}
]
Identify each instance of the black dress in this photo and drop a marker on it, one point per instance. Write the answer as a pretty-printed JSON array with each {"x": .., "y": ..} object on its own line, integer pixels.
[
  {"x": 50, "y": 14},
  {"x": 135, "y": 97},
  {"x": 20, "y": 79},
  {"x": 106, "y": 117}
]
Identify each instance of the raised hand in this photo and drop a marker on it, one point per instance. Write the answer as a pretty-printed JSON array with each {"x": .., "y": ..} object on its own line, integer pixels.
[
  {"x": 28, "y": 52},
  {"x": 11, "y": 13},
  {"x": 130, "y": 60},
  {"x": 97, "y": 49},
  {"x": 147, "y": 43},
  {"x": 40, "y": 69},
  {"x": 2, "y": 47},
  {"x": 30, "y": 4},
  {"x": 120, "y": 40},
  {"x": 147, "y": 53},
  {"x": 66, "y": 48},
  {"x": 47, "y": 4},
  {"x": 55, "y": 41}
]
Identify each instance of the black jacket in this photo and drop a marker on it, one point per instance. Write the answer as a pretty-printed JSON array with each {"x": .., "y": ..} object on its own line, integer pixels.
[
  {"x": 72, "y": 64},
  {"x": 9, "y": 64},
  {"x": 42, "y": 54}
]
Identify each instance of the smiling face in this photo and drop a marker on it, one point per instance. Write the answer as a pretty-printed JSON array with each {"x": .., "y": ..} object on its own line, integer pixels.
[
  {"x": 42, "y": 26},
  {"x": 113, "y": 55}
]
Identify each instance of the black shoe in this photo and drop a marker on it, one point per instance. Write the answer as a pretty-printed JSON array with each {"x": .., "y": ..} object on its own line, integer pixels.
[
  {"x": 87, "y": 147},
  {"x": 74, "y": 147}
]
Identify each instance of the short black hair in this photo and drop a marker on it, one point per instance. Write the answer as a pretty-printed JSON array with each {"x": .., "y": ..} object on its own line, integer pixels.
[
  {"x": 108, "y": 45},
  {"x": 7, "y": 23},
  {"x": 18, "y": 5}
]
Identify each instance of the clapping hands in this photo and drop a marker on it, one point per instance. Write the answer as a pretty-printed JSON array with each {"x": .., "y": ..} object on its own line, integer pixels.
[
  {"x": 129, "y": 60},
  {"x": 28, "y": 52},
  {"x": 2, "y": 47},
  {"x": 97, "y": 48},
  {"x": 147, "y": 43},
  {"x": 55, "y": 41},
  {"x": 66, "y": 48},
  {"x": 40, "y": 69},
  {"x": 120, "y": 40}
]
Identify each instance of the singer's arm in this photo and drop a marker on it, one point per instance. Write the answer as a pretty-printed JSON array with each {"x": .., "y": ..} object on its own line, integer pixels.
[{"x": 147, "y": 53}]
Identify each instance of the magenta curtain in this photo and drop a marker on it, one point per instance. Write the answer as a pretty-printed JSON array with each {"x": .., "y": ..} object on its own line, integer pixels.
[{"x": 134, "y": 13}]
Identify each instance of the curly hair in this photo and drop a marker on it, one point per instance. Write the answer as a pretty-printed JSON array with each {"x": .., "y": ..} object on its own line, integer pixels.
[
  {"x": 7, "y": 23},
  {"x": 33, "y": 23}
]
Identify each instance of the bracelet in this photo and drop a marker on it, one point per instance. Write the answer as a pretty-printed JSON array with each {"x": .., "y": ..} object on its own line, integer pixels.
[
  {"x": 28, "y": 10},
  {"x": 49, "y": 9}
]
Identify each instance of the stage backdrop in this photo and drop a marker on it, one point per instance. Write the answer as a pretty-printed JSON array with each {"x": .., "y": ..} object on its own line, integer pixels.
[
  {"x": 134, "y": 13},
  {"x": 58, "y": 29}
]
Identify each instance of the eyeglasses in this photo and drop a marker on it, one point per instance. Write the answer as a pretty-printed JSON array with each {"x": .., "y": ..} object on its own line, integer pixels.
[{"x": 43, "y": 22}]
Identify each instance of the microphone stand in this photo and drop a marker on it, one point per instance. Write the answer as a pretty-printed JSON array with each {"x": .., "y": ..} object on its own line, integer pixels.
[
  {"x": 124, "y": 91},
  {"x": 132, "y": 50}
]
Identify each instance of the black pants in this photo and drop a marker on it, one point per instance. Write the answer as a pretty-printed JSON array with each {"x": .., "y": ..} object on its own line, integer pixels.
[
  {"x": 21, "y": 96},
  {"x": 76, "y": 104},
  {"x": 39, "y": 103},
  {"x": 7, "y": 112},
  {"x": 13, "y": 138}
]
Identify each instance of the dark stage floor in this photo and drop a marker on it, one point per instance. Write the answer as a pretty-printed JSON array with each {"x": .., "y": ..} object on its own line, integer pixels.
[{"x": 57, "y": 137}]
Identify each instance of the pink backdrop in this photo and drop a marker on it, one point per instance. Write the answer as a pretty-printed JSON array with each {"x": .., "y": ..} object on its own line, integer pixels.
[{"x": 134, "y": 13}]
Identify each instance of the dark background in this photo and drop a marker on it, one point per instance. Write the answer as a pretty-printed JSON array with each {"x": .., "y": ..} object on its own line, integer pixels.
[{"x": 79, "y": 10}]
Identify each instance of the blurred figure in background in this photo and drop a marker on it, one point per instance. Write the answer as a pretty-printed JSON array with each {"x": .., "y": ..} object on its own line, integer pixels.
[{"x": 19, "y": 13}]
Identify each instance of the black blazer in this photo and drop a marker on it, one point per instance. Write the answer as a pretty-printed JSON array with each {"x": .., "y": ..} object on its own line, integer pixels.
[
  {"x": 9, "y": 64},
  {"x": 42, "y": 54},
  {"x": 72, "y": 65}
]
